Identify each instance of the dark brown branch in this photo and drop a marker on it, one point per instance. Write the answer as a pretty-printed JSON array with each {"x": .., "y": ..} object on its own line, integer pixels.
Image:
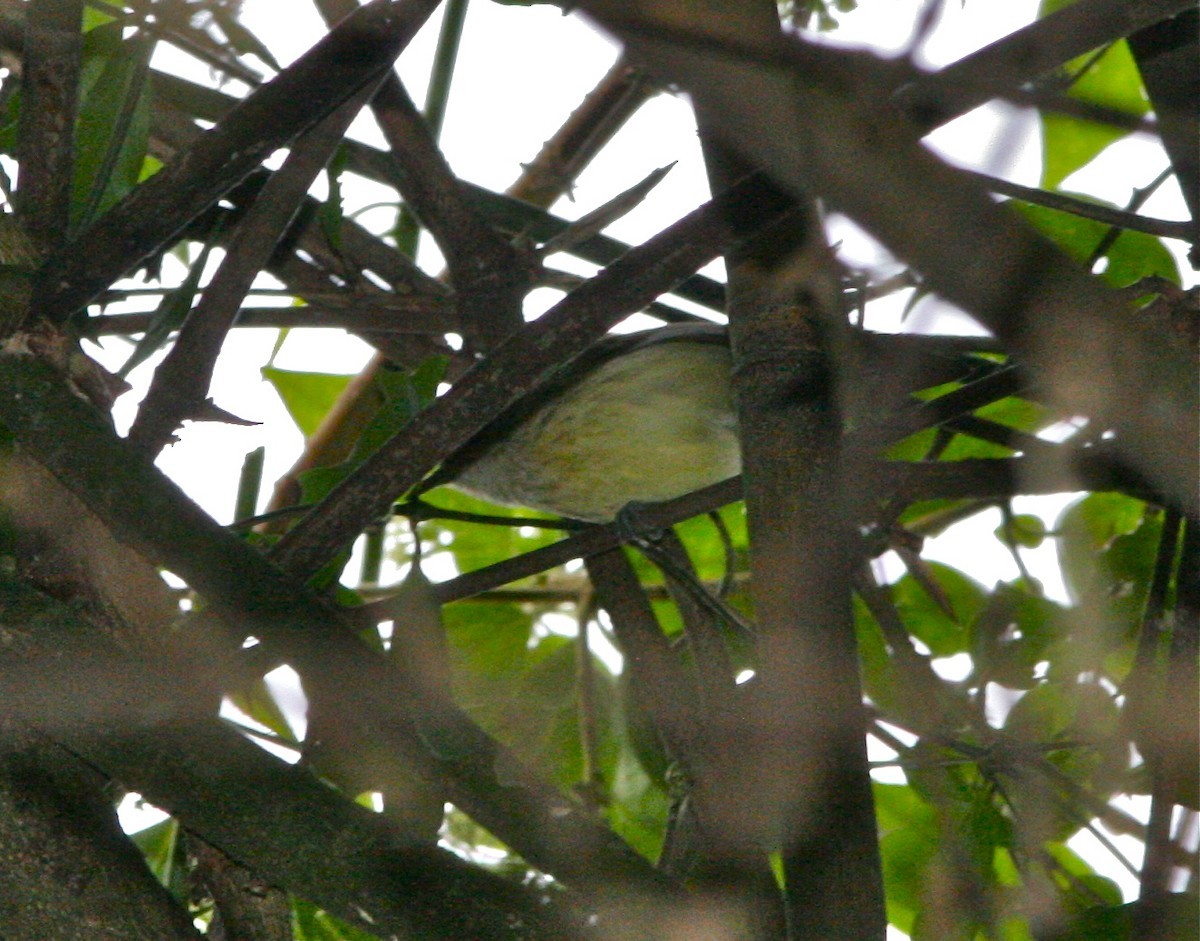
[
  {"x": 1164, "y": 228},
  {"x": 397, "y": 314},
  {"x": 180, "y": 385},
  {"x": 1166, "y": 55},
  {"x": 490, "y": 276},
  {"x": 514, "y": 369},
  {"x": 701, "y": 737},
  {"x": 245, "y": 907},
  {"x": 62, "y": 676},
  {"x": 584, "y": 134},
  {"x": 46, "y": 138},
  {"x": 978, "y": 478},
  {"x": 346, "y": 60},
  {"x": 1027, "y": 54},
  {"x": 818, "y": 127},
  {"x": 150, "y": 515},
  {"x": 660, "y": 685},
  {"x": 69, "y": 871},
  {"x": 911, "y": 417}
]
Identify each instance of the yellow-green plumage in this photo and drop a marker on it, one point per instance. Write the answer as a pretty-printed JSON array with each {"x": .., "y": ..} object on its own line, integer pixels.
[{"x": 648, "y": 425}]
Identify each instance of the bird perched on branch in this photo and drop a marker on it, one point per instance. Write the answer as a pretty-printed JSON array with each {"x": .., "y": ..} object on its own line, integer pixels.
[{"x": 640, "y": 417}]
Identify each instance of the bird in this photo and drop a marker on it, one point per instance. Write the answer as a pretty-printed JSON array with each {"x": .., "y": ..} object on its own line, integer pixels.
[{"x": 638, "y": 418}]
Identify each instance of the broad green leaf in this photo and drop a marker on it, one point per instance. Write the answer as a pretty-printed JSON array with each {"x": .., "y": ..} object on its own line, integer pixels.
[
  {"x": 1088, "y": 885},
  {"x": 474, "y": 545},
  {"x": 944, "y": 633},
  {"x": 1107, "y": 547},
  {"x": 1101, "y": 518},
  {"x": 1133, "y": 256},
  {"x": 1111, "y": 80},
  {"x": 1013, "y": 634},
  {"x": 906, "y": 854},
  {"x": 307, "y": 396},
  {"x": 637, "y": 811},
  {"x": 899, "y": 806}
]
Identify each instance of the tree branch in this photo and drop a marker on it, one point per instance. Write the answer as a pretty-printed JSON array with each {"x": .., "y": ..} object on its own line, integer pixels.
[
  {"x": 368, "y": 695},
  {"x": 1027, "y": 54},
  {"x": 514, "y": 368},
  {"x": 180, "y": 384},
  {"x": 818, "y": 127},
  {"x": 46, "y": 135},
  {"x": 346, "y": 60},
  {"x": 122, "y": 714}
]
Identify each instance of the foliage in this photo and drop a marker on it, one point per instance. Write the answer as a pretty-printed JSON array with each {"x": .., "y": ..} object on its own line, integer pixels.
[{"x": 1011, "y": 729}]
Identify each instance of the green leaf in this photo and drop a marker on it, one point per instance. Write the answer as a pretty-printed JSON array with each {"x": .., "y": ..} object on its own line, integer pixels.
[
  {"x": 474, "y": 545},
  {"x": 257, "y": 702},
  {"x": 112, "y": 130},
  {"x": 170, "y": 315},
  {"x": 1089, "y": 887},
  {"x": 898, "y": 806},
  {"x": 93, "y": 18},
  {"x": 906, "y": 854},
  {"x": 1013, "y": 634},
  {"x": 332, "y": 209},
  {"x": 1099, "y": 519},
  {"x": 164, "y": 852},
  {"x": 404, "y": 394},
  {"x": 307, "y": 396},
  {"x": 942, "y": 632},
  {"x": 310, "y": 923},
  {"x": 1133, "y": 256},
  {"x": 1111, "y": 80},
  {"x": 1107, "y": 546}
]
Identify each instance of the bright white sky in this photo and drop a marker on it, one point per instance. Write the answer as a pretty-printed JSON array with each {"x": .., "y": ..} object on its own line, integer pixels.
[{"x": 528, "y": 68}]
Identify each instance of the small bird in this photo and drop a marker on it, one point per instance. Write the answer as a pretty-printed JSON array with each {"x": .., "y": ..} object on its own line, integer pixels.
[{"x": 639, "y": 418}]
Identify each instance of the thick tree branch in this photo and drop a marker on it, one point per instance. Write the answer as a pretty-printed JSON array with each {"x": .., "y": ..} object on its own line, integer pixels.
[
  {"x": 67, "y": 866},
  {"x": 46, "y": 136},
  {"x": 147, "y": 512},
  {"x": 122, "y": 714},
  {"x": 1027, "y": 54}
]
